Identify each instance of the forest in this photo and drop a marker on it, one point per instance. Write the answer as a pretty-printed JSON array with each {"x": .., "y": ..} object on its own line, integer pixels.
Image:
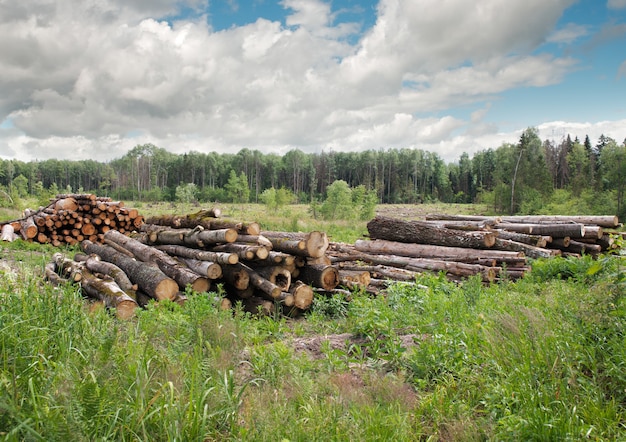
[{"x": 532, "y": 176}]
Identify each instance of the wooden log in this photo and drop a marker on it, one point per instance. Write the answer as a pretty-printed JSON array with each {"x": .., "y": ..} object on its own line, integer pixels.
[
  {"x": 480, "y": 218},
  {"x": 277, "y": 275},
  {"x": 463, "y": 225},
  {"x": 222, "y": 258},
  {"x": 193, "y": 237},
  {"x": 267, "y": 288},
  {"x": 593, "y": 232},
  {"x": 527, "y": 249},
  {"x": 459, "y": 254},
  {"x": 8, "y": 233},
  {"x": 354, "y": 278},
  {"x": 258, "y": 306},
  {"x": 321, "y": 276},
  {"x": 599, "y": 220},
  {"x": 209, "y": 269},
  {"x": 52, "y": 276},
  {"x": 148, "y": 278},
  {"x": 168, "y": 265},
  {"x": 422, "y": 233},
  {"x": 237, "y": 276},
  {"x": 243, "y": 251},
  {"x": 29, "y": 229},
  {"x": 67, "y": 268},
  {"x": 302, "y": 294},
  {"x": 110, "y": 293},
  {"x": 316, "y": 242},
  {"x": 533, "y": 240},
  {"x": 554, "y": 230},
  {"x": 96, "y": 265},
  {"x": 258, "y": 240},
  {"x": 66, "y": 204}
]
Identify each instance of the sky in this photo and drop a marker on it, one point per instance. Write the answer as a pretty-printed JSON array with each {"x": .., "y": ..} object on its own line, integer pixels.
[{"x": 92, "y": 79}]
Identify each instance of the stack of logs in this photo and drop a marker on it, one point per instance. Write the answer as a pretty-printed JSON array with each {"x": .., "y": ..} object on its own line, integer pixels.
[
  {"x": 462, "y": 246},
  {"x": 265, "y": 271},
  {"x": 72, "y": 218}
]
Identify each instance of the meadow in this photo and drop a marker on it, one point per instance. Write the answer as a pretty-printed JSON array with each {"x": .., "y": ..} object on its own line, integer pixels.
[{"x": 542, "y": 358}]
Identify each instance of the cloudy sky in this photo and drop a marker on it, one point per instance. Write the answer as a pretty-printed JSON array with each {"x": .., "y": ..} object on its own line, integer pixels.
[{"x": 91, "y": 79}]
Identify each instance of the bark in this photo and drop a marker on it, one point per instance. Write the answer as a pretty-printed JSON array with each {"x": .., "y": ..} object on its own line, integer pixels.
[
  {"x": 192, "y": 237},
  {"x": 269, "y": 290},
  {"x": 442, "y": 216},
  {"x": 423, "y": 233},
  {"x": 148, "y": 278},
  {"x": 237, "y": 276},
  {"x": 258, "y": 306},
  {"x": 533, "y": 240}
]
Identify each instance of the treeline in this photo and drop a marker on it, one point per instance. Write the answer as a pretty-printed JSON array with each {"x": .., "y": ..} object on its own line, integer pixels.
[{"x": 531, "y": 176}]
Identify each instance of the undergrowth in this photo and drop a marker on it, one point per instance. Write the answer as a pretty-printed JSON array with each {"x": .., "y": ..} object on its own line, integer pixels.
[{"x": 542, "y": 358}]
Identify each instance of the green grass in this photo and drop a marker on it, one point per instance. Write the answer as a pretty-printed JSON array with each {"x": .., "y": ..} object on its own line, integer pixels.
[{"x": 539, "y": 359}]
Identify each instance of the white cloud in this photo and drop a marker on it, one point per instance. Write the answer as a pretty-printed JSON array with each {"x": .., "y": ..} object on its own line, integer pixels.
[
  {"x": 621, "y": 71},
  {"x": 77, "y": 77},
  {"x": 616, "y": 4},
  {"x": 568, "y": 34}
]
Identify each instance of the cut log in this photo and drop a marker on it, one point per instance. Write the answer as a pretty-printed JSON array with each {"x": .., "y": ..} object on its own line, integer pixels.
[
  {"x": 600, "y": 220},
  {"x": 277, "y": 275},
  {"x": 237, "y": 276},
  {"x": 258, "y": 306},
  {"x": 423, "y": 233},
  {"x": 554, "y": 230},
  {"x": 316, "y": 242},
  {"x": 197, "y": 237},
  {"x": 269, "y": 290},
  {"x": 442, "y": 216},
  {"x": 29, "y": 229},
  {"x": 171, "y": 267},
  {"x": 149, "y": 278},
  {"x": 8, "y": 233},
  {"x": 324, "y": 277},
  {"x": 96, "y": 265},
  {"x": 302, "y": 294},
  {"x": 66, "y": 204},
  {"x": 110, "y": 293},
  {"x": 533, "y": 240},
  {"x": 208, "y": 269},
  {"x": 459, "y": 254},
  {"x": 528, "y": 250},
  {"x": 202, "y": 255},
  {"x": 243, "y": 251},
  {"x": 354, "y": 278}
]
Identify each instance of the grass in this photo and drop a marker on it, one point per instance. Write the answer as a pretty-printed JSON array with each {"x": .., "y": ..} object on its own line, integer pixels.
[{"x": 539, "y": 359}]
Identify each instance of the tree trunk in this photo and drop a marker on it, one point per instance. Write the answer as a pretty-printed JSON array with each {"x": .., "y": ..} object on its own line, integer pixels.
[
  {"x": 28, "y": 228},
  {"x": 530, "y": 251},
  {"x": 316, "y": 242},
  {"x": 8, "y": 233},
  {"x": 423, "y": 233},
  {"x": 302, "y": 294},
  {"x": 243, "y": 251},
  {"x": 554, "y": 230},
  {"x": 209, "y": 269},
  {"x": 533, "y": 240},
  {"x": 95, "y": 264}
]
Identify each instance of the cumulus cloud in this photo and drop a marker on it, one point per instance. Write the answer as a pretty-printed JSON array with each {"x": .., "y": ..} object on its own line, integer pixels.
[{"x": 91, "y": 79}]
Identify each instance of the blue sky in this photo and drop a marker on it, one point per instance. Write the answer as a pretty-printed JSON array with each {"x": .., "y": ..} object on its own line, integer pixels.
[{"x": 91, "y": 80}]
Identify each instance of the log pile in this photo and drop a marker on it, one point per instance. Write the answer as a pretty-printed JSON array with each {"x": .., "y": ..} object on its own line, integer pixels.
[
  {"x": 72, "y": 218},
  {"x": 463, "y": 246},
  {"x": 266, "y": 272}
]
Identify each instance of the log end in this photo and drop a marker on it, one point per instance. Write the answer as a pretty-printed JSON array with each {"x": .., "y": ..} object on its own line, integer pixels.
[
  {"x": 126, "y": 309},
  {"x": 166, "y": 289},
  {"x": 201, "y": 285}
]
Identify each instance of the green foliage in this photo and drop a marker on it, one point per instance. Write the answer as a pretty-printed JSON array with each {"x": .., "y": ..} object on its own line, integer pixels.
[
  {"x": 345, "y": 203},
  {"x": 237, "y": 189},
  {"x": 186, "y": 193},
  {"x": 277, "y": 199}
]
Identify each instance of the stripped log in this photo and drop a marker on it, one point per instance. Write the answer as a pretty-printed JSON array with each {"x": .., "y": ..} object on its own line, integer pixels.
[
  {"x": 554, "y": 230},
  {"x": 8, "y": 233}
]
